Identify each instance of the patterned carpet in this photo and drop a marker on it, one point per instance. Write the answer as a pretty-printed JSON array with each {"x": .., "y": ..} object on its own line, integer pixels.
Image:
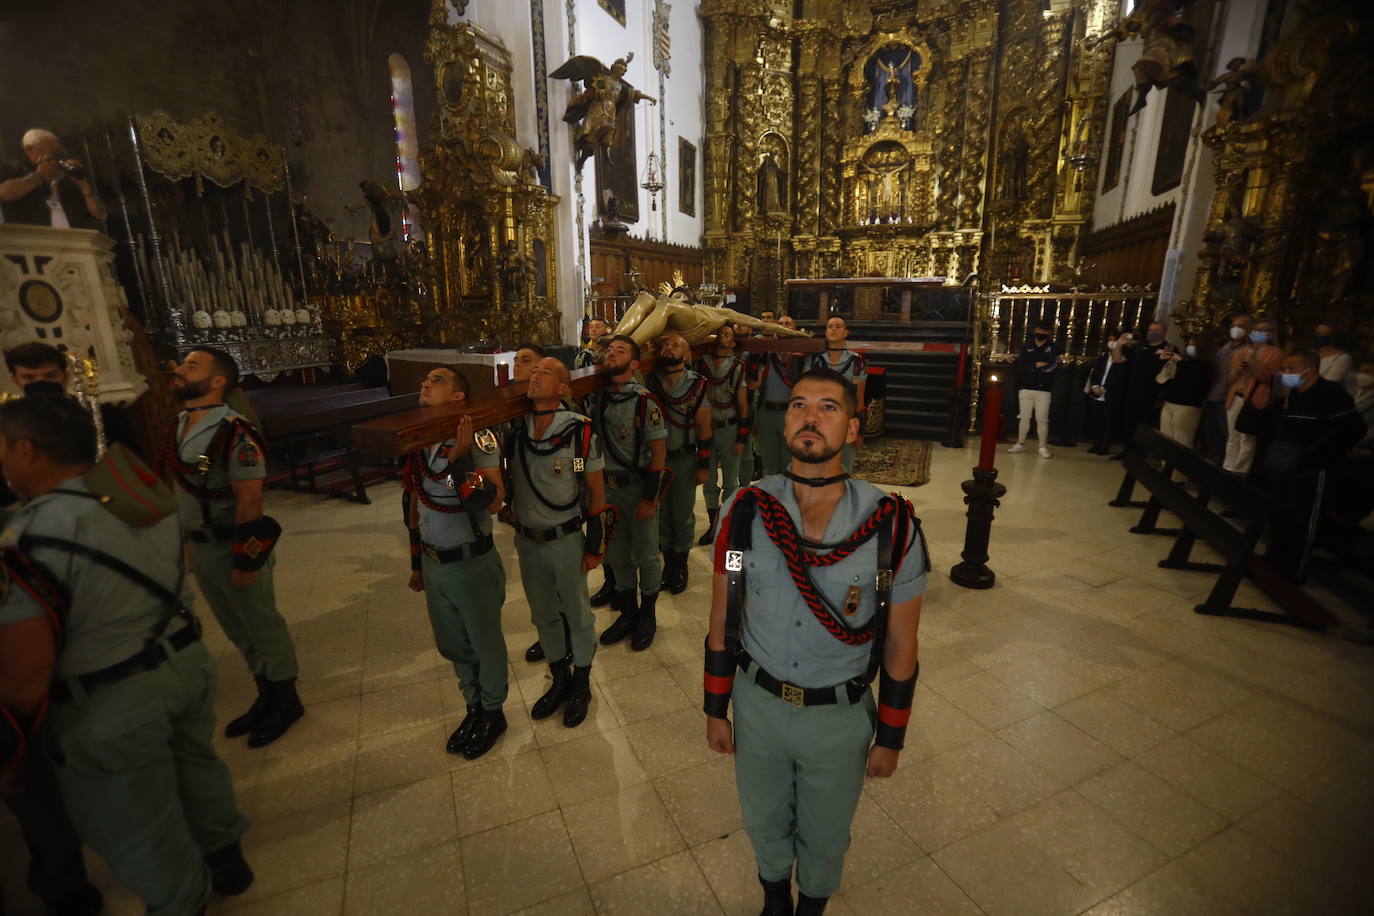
[{"x": 894, "y": 462}]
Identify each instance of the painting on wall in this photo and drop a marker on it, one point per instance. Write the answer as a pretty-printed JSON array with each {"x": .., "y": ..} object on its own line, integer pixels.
[
  {"x": 686, "y": 177},
  {"x": 1116, "y": 141},
  {"x": 616, "y": 180},
  {"x": 616, "y": 8}
]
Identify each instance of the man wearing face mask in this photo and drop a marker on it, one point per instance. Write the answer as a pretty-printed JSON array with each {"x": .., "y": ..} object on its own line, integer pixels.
[
  {"x": 1316, "y": 425},
  {"x": 1105, "y": 384},
  {"x": 1142, "y": 392},
  {"x": 1035, "y": 368},
  {"x": 1214, "y": 429},
  {"x": 1185, "y": 380},
  {"x": 1253, "y": 368},
  {"x": 41, "y": 369}
]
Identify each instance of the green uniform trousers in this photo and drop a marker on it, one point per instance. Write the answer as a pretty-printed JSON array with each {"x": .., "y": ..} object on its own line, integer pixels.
[
  {"x": 773, "y": 453},
  {"x": 464, "y": 601},
  {"x": 556, "y": 588},
  {"x": 633, "y": 553},
  {"x": 799, "y": 772},
  {"x": 248, "y": 615},
  {"x": 677, "y": 512},
  {"x": 725, "y": 466},
  {"x": 56, "y": 868},
  {"x": 137, "y": 766}
]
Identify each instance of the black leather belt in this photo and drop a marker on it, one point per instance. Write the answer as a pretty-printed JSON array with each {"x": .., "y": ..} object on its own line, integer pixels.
[
  {"x": 775, "y": 405},
  {"x": 211, "y": 535},
  {"x": 617, "y": 479},
  {"x": 153, "y": 655},
  {"x": 721, "y": 424},
  {"x": 549, "y": 535},
  {"x": 683, "y": 451},
  {"x": 800, "y": 696},
  {"x": 454, "y": 554}
]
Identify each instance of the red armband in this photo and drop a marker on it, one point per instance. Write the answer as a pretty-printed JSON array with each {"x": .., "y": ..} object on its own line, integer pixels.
[
  {"x": 718, "y": 680},
  {"x": 894, "y": 708}
]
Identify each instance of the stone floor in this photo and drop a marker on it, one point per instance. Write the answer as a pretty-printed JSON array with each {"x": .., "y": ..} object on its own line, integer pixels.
[{"x": 1082, "y": 743}]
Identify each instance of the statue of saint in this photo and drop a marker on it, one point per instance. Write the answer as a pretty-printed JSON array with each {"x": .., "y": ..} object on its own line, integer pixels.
[
  {"x": 1235, "y": 83},
  {"x": 596, "y": 109},
  {"x": 771, "y": 186},
  {"x": 1167, "y": 61},
  {"x": 515, "y": 272},
  {"x": 1013, "y": 169},
  {"x": 1232, "y": 242}
]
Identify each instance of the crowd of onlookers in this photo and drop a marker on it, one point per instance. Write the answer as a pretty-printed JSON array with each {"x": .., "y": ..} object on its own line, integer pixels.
[{"x": 1295, "y": 418}]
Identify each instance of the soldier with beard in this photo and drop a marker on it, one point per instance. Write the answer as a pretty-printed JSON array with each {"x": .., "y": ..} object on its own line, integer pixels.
[
  {"x": 681, "y": 394},
  {"x": 629, "y": 423},
  {"x": 218, "y": 460}
]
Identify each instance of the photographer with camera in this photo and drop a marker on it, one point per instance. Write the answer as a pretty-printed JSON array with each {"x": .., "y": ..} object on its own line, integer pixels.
[{"x": 56, "y": 193}]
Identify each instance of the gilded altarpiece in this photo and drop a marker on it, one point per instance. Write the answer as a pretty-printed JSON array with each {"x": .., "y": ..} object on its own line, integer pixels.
[
  {"x": 886, "y": 127},
  {"x": 489, "y": 224}
]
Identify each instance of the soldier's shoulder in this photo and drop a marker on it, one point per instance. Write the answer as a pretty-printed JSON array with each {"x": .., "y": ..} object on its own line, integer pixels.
[{"x": 488, "y": 440}]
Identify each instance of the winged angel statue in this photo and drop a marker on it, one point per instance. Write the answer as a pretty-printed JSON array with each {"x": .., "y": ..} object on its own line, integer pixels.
[{"x": 597, "y": 107}]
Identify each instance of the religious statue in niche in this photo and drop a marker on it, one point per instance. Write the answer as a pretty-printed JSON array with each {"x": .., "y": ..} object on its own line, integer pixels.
[
  {"x": 1167, "y": 61},
  {"x": 891, "y": 87},
  {"x": 1011, "y": 168},
  {"x": 882, "y": 184},
  {"x": 772, "y": 189},
  {"x": 1232, "y": 241},
  {"x": 472, "y": 233},
  {"x": 598, "y": 107},
  {"x": 1237, "y": 84},
  {"x": 515, "y": 272}
]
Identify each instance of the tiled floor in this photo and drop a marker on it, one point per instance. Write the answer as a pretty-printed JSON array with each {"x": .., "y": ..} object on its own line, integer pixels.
[{"x": 1082, "y": 743}]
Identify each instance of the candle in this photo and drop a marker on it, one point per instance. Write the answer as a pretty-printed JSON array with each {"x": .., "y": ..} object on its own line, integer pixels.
[{"x": 992, "y": 421}]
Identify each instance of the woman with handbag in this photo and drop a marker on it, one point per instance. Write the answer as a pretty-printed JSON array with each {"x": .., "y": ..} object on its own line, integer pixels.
[{"x": 1253, "y": 368}]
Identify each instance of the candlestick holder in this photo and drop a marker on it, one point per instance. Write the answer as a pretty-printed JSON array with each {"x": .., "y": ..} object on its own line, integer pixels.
[{"x": 982, "y": 494}]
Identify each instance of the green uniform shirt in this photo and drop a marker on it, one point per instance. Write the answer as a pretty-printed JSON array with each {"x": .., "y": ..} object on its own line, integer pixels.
[
  {"x": 681, "y": 415},
  {"x": 777, "y": 380},
  {"x": 615, "y": 417},
  {"x": 109, "y": 615},
  {"x": 536, "y": 481},
  {"x": 723, "y": 378},
  {"x": 244, "y": 461},
  {"x": 850, "y": 365},
  {"x": 447, "y": 530},
  {"x": 780, "y": 632}
]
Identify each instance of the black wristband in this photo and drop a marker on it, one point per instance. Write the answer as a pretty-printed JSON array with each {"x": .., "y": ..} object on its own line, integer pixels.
[
  {"x": 718, "y": 681},
  {"x": 894, "y": 708},
  {"x": 704, "y": 453},
  {"x": 414, "y": 549},
  {"x": 650, "y": 480}
]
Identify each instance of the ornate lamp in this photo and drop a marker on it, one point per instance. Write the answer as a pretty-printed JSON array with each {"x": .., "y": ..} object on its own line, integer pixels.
[{"x": 653, "y": 180}]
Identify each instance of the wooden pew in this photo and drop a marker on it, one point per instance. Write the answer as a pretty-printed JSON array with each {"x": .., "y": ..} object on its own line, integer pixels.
[{"x": 1251, "y": 509}]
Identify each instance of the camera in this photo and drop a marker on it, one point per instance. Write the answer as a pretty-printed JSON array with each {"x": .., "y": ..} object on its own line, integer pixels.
[{"x": 77, "y": 171}]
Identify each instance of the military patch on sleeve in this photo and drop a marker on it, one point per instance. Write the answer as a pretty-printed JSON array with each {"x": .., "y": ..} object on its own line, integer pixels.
[
  {"x": 655, "y": 415},
  {"x": 486, "y": 441},
  {"x": 247, "y": 455}
]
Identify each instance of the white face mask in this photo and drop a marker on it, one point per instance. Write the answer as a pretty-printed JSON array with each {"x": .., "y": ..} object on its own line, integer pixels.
[
  {"x": 1111, "y": 345},
  {"x": 1191, "y": 351},
  {"x": 1237, "y": 332}
]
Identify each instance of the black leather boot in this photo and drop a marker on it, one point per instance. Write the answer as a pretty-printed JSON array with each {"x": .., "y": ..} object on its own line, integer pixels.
[
  {"x": 229, "y": 871},
  {"x": 464, "y": 731},
  {"x": 679, "y": 579},
  {"x": 557, "y": 693},
  {"x": 810, "y": 906},
  {"x": 646, "y": 623},
  {"x": 534, "y": 653},
  {"x": 249, "y": 720},
  {"x": 777, "y": 897},
  {"x": 282, "y": 710},
  {"x": 706, "y": 536},
  {"x": 624, "y": 602},
  {"x": 579, "y": 696},
  {"x": 490, "y": 726},
  {"x": 606, "y": 593}
]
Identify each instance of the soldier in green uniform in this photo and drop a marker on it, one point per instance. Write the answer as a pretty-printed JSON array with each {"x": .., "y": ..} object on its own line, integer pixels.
[
  {"x": 818, "y": 586},
  {"x": 851, "y": 365},
  {"x": 217, "y": 458},
  {"x": 552, "y": 458},
  {"x": 451, "y": 488},
  {"x": 779, "y": 372},
  {"x": 629, "y": 425},
  {"x": 95, "y": 621},
  {"x": 681, "y": 394},
  {"x": 728, "y": 395}
]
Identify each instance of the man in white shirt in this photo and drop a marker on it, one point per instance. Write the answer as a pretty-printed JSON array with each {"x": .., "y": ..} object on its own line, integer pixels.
[{"x": 58, "y": 191}]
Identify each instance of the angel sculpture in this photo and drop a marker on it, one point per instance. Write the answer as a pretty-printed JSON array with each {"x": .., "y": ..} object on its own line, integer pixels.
[
  {"x": 1167, "y": 61},
  {"x": 650, "y": 316},
  {"x": 596, "y": 109}
]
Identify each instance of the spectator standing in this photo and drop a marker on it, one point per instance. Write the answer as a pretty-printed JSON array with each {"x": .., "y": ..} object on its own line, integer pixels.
[
  {"x": 1336, "y": 366},
  {"x": 1252, "y": 372},
  {"x": 1104, "y": 388},
  {"x": 1142, "y": 393},
  {"x": 1215, "y": 427},
  {"x": 1185, "y": 380},
  {"x": 58, "y": 191},
  {"x": 1035, "y": 367},
  {"x": 1317, "y": 423}
]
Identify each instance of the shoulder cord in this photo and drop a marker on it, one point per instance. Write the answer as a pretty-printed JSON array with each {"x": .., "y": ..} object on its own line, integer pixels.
[
  {"x": 522, "y": 442},
  {"x": 683, "y": 418},
  {"x": 415, "y": 471},
  {"x": 599, "y": 407},
  {"x": 218, "y": 450},
  {"x": 730, "y": 381},
  {"x": 776, "y": 364}
]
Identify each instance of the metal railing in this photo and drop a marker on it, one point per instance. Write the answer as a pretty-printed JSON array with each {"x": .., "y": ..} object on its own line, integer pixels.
[{"x": 1081, "y": 320}]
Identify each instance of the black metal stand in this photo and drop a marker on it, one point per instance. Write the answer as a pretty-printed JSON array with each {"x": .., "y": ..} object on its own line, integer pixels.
[{"x": 981, "y": 495}]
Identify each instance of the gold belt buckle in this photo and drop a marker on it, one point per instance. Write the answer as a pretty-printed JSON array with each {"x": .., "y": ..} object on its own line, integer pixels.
[
  {"x": 794, "y": 694},
  {"x": 431, "y": 553},
  {"x": 612, "y": 482}
]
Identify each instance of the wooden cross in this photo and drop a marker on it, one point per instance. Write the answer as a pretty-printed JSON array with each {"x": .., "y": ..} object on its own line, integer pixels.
[{"x": 400, "y": 433}]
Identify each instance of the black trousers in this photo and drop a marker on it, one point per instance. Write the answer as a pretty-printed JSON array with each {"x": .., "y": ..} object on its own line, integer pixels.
[{"x": 1104, "y": 422}]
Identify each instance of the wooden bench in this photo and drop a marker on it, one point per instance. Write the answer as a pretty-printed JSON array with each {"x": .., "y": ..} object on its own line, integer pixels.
[
  {"x": 311, "y": 437},
  {"x": 1250, "y": 509}
]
